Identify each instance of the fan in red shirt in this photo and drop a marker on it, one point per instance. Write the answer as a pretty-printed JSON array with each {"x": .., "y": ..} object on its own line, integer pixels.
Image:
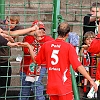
[
  {"x": 95, "y": 48},
  {"x": 31, "y": 77},
  {"x": 88, "y": 59},
  {"x": 59, "y": 55}
]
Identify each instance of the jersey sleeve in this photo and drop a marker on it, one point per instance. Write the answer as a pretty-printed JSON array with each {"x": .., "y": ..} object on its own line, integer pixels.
[
  {"x": 95, "y": 45},
  {"x": 3, "y": 41},
  {"x": 73, "y": 57},
  {"x": 40, "y": 57}
]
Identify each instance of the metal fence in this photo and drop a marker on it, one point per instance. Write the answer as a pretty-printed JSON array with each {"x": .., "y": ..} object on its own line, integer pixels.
[{"x": 51, "y": 13}]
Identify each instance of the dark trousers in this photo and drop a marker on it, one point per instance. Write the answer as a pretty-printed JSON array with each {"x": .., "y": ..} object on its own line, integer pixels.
[{"x": 5, "y": 77}]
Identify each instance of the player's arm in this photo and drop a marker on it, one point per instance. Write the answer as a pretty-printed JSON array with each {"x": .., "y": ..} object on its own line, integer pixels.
[
  {"x": 30, "y": 47},
  {"x": 82, "y": 70},
  {"x": 76, "y": 64},
  {"x": 32, "y": 53}
]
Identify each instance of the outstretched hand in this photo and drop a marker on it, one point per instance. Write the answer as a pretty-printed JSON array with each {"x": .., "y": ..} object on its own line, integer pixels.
[
  {"x": 13, "y": 44},
  {"x": 26, "y": 44},
  {"x": 9, "y": 38},
  {"x": 23, "y": 44}
]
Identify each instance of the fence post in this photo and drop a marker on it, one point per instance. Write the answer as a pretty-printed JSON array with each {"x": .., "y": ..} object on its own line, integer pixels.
[
  {"x": 2, "y": 9},
  {"x": 74, "y": 84},
  {"x": 56, "y": 12}
]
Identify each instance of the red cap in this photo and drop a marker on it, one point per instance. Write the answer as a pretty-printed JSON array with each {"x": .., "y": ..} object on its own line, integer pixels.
[{"x": 39, "y": 23}]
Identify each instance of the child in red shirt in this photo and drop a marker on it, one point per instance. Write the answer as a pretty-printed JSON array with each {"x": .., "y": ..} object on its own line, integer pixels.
[{"x": 33, "y": 79}]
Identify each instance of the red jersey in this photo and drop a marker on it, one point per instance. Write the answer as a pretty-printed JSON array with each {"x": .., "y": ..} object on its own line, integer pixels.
[
  {"x": 59, "y": 55},
  {"x": 95, "y": 48},
  {"x": 27, "y": 60}
]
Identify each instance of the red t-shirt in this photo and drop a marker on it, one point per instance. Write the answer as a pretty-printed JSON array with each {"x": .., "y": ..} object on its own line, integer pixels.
[
  {"x": 95, "y": 48},
  {"x": 27, "y": 60},
  {"x": 58, "y": 55}
]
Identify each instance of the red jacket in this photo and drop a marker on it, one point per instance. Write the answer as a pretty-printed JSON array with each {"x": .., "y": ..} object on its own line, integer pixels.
[
  {"x": 95, "y": 48},
  {"x": 27, "y": 60}
]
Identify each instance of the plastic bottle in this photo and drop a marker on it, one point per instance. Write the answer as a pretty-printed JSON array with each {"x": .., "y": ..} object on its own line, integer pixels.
[{"x": 92, "y": 91}]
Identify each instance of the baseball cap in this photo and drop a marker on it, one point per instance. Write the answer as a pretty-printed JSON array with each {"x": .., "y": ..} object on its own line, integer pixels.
[{"x": 39, "y": 23}]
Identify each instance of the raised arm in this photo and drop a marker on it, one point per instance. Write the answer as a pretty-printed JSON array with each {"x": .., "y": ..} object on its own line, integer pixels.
[
  {"x": 22, "y": 31},
  {"x": 9, "y": 38}
]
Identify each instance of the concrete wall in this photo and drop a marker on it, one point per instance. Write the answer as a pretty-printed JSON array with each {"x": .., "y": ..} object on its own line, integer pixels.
[{"x": 72, "y": 11}]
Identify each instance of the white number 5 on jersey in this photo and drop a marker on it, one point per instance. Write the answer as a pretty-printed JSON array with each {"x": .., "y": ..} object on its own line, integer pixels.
[{"x": 55, "y": 57}]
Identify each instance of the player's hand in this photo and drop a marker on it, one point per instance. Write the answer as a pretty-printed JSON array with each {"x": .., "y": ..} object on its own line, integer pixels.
[
  {"x": 13, "y": 44},
  {"x": 16, "y": 44},
  {"x": 94, "y": 85},
  {"x": 26, "y": 44},
  {"x": 23, "y": 44}
]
